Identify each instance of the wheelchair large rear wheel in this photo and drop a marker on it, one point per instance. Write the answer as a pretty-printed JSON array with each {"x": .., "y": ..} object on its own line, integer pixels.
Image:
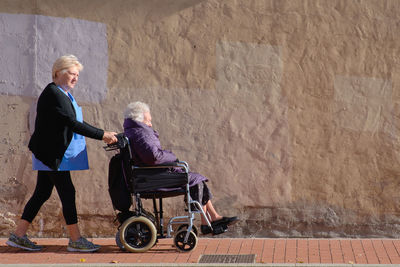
[
  {"x": 138, "y": 234},
  {"x": 118, "y": 241},
  {"x": 180, "y": 243}
]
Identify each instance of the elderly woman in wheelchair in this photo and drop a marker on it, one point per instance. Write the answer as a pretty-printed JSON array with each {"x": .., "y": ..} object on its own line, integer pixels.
[{"x": 146, "y": 151}]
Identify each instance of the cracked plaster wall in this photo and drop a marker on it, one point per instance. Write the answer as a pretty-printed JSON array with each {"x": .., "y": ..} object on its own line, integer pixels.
[{"x": 291, "y": 108}]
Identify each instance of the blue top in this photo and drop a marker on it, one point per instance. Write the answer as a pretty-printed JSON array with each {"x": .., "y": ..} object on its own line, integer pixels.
[{"x": 75, "y": 157}]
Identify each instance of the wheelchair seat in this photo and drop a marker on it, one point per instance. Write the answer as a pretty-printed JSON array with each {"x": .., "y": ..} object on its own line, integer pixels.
[{"x": 162, "y": 194}]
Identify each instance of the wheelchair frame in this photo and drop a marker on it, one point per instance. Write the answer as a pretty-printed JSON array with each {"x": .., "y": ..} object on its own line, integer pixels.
[{"x": 185, "y": 239}]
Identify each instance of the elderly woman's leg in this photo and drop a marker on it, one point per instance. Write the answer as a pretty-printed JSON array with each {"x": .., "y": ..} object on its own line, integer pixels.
[
  {"x": 210, "y": 211},
  {"x": 219, "y": 223},
  {"x": 201, "y": 193}
]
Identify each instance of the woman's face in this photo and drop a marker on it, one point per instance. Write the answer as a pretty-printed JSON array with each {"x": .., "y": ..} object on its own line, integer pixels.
[
  {"x": 67, "y": 79},
  {"x": 147, "y": 119}
]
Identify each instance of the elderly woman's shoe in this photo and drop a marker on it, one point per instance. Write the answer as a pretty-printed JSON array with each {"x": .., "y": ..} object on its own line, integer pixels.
[
  {"x": 225, "y": 220},
  {"x": 219, "y": 226},
  {"x": 205, "y": 229}
]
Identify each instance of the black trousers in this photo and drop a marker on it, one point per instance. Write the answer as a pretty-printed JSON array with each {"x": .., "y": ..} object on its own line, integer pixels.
[{"x": 46, "y": 181}]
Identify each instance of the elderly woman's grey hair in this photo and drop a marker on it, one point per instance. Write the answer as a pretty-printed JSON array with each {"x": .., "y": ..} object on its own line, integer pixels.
[
  {"x": 62, "y": 64},
  {"x": 135, "y": 111}
]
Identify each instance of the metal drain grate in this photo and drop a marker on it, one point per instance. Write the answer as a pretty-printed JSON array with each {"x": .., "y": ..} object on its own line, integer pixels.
[{"x": 223, "y": 258}]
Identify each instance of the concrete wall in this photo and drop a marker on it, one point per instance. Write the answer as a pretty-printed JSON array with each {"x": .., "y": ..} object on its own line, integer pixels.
[{"x": 291, "y": 108}]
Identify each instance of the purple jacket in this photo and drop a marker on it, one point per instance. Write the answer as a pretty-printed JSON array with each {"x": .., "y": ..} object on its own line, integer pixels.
[{"x": 146, "y": 148}]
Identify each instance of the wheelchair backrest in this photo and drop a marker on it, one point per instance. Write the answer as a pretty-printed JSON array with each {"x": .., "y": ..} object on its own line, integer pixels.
[
  {"x": 125, "y": 156},
  {"x": 127, "y": 162}
]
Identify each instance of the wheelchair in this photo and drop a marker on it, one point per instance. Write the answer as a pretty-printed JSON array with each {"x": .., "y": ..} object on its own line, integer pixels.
[{"x": 139, "y": 229}]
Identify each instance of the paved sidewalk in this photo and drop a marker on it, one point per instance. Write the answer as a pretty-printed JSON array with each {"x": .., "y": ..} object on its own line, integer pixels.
[{"x": 269, "y": 252}]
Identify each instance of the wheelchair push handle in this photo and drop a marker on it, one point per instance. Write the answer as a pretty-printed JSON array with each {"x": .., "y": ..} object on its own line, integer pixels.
[{"x": 121, "y": 143}]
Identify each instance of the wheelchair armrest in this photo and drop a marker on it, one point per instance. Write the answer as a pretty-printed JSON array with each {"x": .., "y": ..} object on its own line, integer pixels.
[
  {"x": 176, "y": 164},
  {"x": 184, "y": 163}
]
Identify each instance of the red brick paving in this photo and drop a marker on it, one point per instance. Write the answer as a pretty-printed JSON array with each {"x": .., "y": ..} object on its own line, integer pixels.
[
  {"x": 347, "y": 251},
  {"x": 336, "y": 251},
  {"x": 391, "y": 250},
  {"x": 302, "y": 251}
]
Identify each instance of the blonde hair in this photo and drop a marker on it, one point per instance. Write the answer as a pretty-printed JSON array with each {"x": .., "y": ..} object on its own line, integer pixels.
[
  {"x": 64, "y": 63},
  {"x": 135, "y": 111}
]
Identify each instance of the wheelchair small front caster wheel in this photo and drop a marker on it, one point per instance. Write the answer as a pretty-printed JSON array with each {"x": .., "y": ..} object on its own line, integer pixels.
[
  {"x": 186, "y": 226},
  {"x": 180, "y": 243},
  {"x": 138, "y": 234},
  {"x": 118, "y": 241}
]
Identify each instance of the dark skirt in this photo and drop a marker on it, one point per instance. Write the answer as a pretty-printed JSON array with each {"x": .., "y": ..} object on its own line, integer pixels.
[{"x": 201, "y": 193}]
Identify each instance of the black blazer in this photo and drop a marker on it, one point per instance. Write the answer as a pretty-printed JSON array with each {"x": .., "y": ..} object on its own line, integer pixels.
[{"x": 54, "y": 126}]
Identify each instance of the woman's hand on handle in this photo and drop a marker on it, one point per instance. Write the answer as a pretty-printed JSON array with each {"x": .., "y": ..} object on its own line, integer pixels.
[{"x": 110, "y": 137}]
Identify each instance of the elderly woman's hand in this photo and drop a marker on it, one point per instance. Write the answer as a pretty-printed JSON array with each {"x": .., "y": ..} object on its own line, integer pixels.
[{"x": 110, "y": 137}]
